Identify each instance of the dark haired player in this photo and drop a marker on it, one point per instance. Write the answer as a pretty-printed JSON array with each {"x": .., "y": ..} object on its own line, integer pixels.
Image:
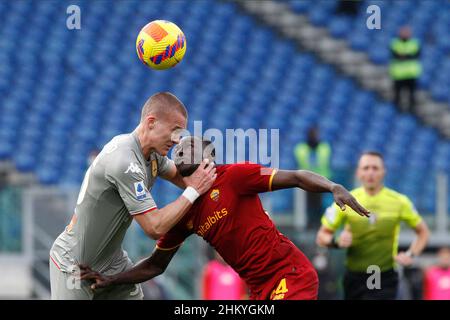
[
  {"x": 373, "y": 242},
  {"x": 230, "y": 217}
]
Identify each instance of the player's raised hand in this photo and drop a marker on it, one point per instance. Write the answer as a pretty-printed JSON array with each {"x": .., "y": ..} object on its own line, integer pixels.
[
  {"x": 203, "y": 178},
  {"x": 342, "y": 198},
  {"x": 100, "y": 280}
]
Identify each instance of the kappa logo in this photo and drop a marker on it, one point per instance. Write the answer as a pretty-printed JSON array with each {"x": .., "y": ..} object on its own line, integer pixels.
[
  {"x": 133, "y": 168},
  {"x": 136, "y": 291},
  {"x": 214, "y": 195}
]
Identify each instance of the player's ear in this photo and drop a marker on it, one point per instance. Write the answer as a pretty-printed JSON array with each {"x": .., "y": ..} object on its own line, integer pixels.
[{"x": 151, "y": 121}]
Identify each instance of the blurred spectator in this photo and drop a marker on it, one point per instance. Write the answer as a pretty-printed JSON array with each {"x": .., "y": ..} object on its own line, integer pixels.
[
  {"x": 221, "y": 282},
  {"x": 314, "y": 155},
  {"x": 437, "y": 278},
  {"x": 405, "y": 67}
]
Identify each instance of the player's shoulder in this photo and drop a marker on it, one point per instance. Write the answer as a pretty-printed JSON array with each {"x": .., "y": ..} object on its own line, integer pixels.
[
  {"x": 246, "y": 167},
  {"x": 357, "y": 192},
  {"x": 391, "y": 193},
  {"x": 224, "y": 168},
  {"x": 244, "y": 164},
  {"x": 121, "y": 155},
  {"x": 124, "y": 142}
]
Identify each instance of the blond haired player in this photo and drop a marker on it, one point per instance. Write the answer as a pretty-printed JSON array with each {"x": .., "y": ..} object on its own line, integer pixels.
[{"x": 116, "y": 190}]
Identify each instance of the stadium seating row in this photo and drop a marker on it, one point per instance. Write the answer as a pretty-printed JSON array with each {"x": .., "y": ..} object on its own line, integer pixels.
[{"x": 65, "y": 93}]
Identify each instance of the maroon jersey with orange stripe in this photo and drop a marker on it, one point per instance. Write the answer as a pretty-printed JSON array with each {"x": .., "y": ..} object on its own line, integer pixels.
[{"x": 231, "y": 218}]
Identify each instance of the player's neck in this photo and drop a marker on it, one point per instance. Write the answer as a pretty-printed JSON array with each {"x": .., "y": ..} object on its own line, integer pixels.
[
  {"x": 145, "y": 144},
  {"x": 374, "y": 191}
]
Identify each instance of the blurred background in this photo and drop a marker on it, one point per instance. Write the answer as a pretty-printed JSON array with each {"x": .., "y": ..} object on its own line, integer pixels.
[{"x": 290, "y": 65}]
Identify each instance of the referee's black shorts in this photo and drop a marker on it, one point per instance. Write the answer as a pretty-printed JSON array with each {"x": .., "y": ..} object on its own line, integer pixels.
[{"x": 356, "y": 288}]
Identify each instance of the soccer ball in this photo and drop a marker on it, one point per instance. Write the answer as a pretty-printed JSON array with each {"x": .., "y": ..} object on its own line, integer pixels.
[{"x": 161, "y": 45}]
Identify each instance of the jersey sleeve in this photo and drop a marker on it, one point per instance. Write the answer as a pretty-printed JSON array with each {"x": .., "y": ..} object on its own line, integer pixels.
[
  {"x": 174, "y": 238},
  {"x": 128, "y": 177},
  {"x": 251, "y": 178},
  {"x": 333, "y": 218},
  {"x": 409, "y": 214},
  {"x": 164, "y": 165}
]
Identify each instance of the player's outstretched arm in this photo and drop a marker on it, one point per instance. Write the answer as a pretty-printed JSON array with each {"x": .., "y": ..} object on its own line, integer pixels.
[
  {"x": 417, "y": 246},
  {"x": 312, "y": 182},
  {"x": 158, "y": 222},
  {"x": 145, "y": 270}
]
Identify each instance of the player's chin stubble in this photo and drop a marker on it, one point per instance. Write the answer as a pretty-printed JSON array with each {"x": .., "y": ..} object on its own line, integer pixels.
[{"x": 186, "y": 170}]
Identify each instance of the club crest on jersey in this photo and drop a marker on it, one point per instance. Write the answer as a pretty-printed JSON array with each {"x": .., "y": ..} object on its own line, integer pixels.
[
  {"x": 154, "y": 168},
  {"x": 139, "y": 190},
  {"x": 372, "y": 218},
  {"x": 133, "y": 168},
  {"x": 214, "y": 195},
  {"x": 190, "y": 225}
]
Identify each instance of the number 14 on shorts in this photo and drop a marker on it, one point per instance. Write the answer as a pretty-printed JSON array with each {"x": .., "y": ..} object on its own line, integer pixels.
[{"x": 280, "y": 291}]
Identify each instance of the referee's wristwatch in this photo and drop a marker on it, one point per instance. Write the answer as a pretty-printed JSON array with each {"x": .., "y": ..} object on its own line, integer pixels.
[
  {"x": 334, "y": 243},
  {"x": 410, "y": 254}
]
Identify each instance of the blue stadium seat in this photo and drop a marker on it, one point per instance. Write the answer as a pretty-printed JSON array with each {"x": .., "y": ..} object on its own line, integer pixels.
[
  {"x": 429, "y": 21},
  {"x": 71, "y": 91}
]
